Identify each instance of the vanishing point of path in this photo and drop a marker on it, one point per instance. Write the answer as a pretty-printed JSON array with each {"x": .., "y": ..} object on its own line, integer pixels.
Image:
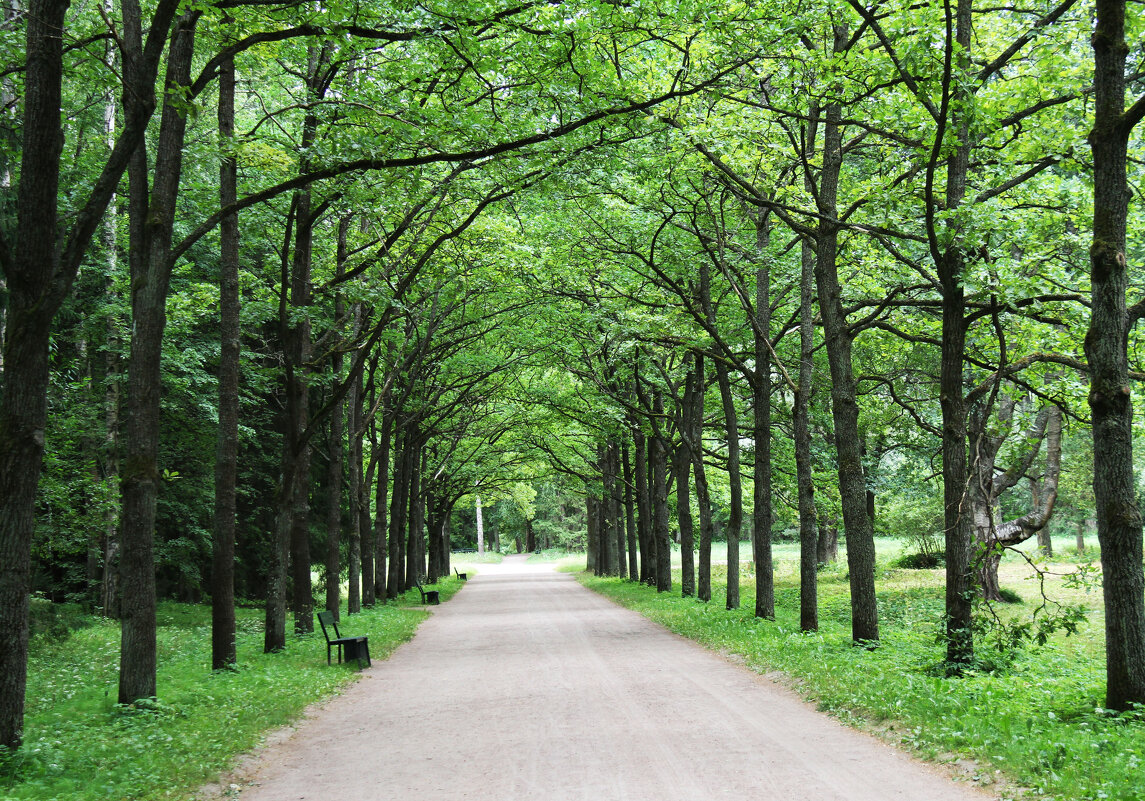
[{"x": 528, "y": 686}]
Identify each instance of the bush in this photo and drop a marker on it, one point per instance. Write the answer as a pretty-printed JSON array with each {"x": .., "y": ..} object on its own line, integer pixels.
[{"x": 920, "y": 561}]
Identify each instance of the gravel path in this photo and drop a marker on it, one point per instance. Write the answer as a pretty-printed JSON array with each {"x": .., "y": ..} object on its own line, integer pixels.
[{"x": 528, "y": 686}]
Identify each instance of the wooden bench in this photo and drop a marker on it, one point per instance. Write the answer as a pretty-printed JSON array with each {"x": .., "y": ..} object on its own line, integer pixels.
[
  {"x": 350, "y": 647},
  {"x": 428, "y": 597},
  {"x": 462, "y": 576}
]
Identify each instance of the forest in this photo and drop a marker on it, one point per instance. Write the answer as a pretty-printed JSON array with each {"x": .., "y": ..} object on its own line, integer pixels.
[{"x": 299, "y": 299}]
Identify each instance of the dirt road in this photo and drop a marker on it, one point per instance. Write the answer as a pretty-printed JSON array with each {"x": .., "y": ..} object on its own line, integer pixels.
[{"x": 528, "y": 686}]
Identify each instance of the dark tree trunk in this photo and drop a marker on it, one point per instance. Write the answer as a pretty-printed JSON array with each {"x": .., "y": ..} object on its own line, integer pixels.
[
  {"x": 365, "y": 522},
  {"x": 23, "y": 415},
  {"x": 617, "y": 508},
  {"x": 298, "y": 392},
  {"x": 38, "y": 279},
  {"x": 381, "y": 501},
  {"x": 951, "y": 264},
  {"x": 761, "y": 432},
  {"x": 334, "y": 510},
  {"x": 395, "y": 585},
  {"x": 735, "y": 483},
  {"x": 681, "y": 466},
  {"x": 808, "y": 529},
  {"x": 415, "y": 544},
  {"x": 354, "y": 476},
  {"x": 661, "y": 531},
  {"x": 223, "y": 654},
  {"x": 592, "y": 516},
  {"x": 151, "y": 275},
  {"x": 630, "y": 514},
  {"x": 644, "y": 508},
  {"x": 844, "y": 404},
  {"x": 365, "y": 526},
  {"x": 607, "y": 534},
  {"x": 703, "y": 496},
  {"x": 1110, "y": 399}
]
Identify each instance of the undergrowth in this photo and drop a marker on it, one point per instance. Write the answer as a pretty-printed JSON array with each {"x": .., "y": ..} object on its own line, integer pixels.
[
  {"x": 79, "y": 745},
  {"x": 1033, "y": 717}
]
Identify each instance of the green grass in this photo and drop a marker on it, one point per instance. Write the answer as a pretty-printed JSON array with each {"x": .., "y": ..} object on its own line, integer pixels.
[
  {"x": 80, "y": 745},
  {"x": 1037, "y": 721}
]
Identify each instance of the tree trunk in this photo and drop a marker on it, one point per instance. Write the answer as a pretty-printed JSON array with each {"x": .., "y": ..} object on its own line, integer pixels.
[
  {"x": 334, "y": 509},
  {"x": 354, "y": 481},
  {"x": 735, "y": 483},
  {"x": 398, "y": 505},
  {"x": 415, "y": 546},
  {"x": 592, "y": 535},
  {"x": 660, "y": 530},
  {"x": 381, "y": 446},
  {"x": 951, "y": 264},
  {"x": 480, "y": 528},
  {"x": 365, "y": 522},
  {"x": 630, "y": 514},
  {"x": 151, "y": 275},
  {"x": 988, "y": 484},
  {"x": 617, "y": 508},
  {"x": 808, "y": 529},
  {"x": 844, "y": 404},
  {"x": 644, "y": 508},
  {"x": 761, "y": 515},
  {"x": 606, "y": 566},
  {"x": 223, "y": 654},
  {"x": 682, "y": 468},
  {"x": 703, "y": 497}
]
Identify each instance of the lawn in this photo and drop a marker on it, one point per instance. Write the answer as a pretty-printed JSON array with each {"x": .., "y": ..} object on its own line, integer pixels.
[{"x": 82, "y": 746}]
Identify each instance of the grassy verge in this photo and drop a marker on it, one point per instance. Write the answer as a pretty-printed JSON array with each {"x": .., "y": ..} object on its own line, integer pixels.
[
  {"x": 80, "y": 745},
  {"x": 1036, "y": 720}
]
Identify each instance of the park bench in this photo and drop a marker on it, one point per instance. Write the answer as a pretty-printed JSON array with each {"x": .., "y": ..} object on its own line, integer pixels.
[
  {"x": 428, "y": 597},
  {"x": 462, "y": 576},
  {"x": 350, "y": 647}
]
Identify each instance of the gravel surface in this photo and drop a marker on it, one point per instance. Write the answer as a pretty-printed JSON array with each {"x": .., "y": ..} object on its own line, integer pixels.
[{"x": 527, "y": 686}]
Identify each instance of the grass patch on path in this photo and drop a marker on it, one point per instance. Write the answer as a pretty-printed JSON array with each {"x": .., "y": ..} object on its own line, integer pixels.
[
  {"x": 1036, "y": 722},
  {"x": 81, "y": 746}
]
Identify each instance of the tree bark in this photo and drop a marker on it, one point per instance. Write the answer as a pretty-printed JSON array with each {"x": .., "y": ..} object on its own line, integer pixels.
[
  {"x": 1110, "y": 399},
  {"x": 354, "y": 482},
  {"x": 592, "y": 534},
  {"x": 415, "y": 546},
  {"x": 844, "y": 404},
  {"x": 950, "y": 266},
  {"x": 398, "y": 505},
  {"x": 630, "y": 514},
  {"x": 761, "y": 515},
  {"x": 617, "y": 501},
  {"x": 334, "y": 509},
  {"x": 808, "y": 528},
  {"x": 151, "y": 275},
  {"x": 682, "y": 468},
  {"x": 735, "y": 483},
  {"x": 660, "y": 529},
  {"x": 381, "y": 500},
  {"x": 703, "y": 496},
  {"x": 644, "y": 508}
]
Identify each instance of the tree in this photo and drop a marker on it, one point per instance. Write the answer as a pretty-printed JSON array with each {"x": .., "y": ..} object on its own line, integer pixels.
[{"x": 1118, "y": 515}]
